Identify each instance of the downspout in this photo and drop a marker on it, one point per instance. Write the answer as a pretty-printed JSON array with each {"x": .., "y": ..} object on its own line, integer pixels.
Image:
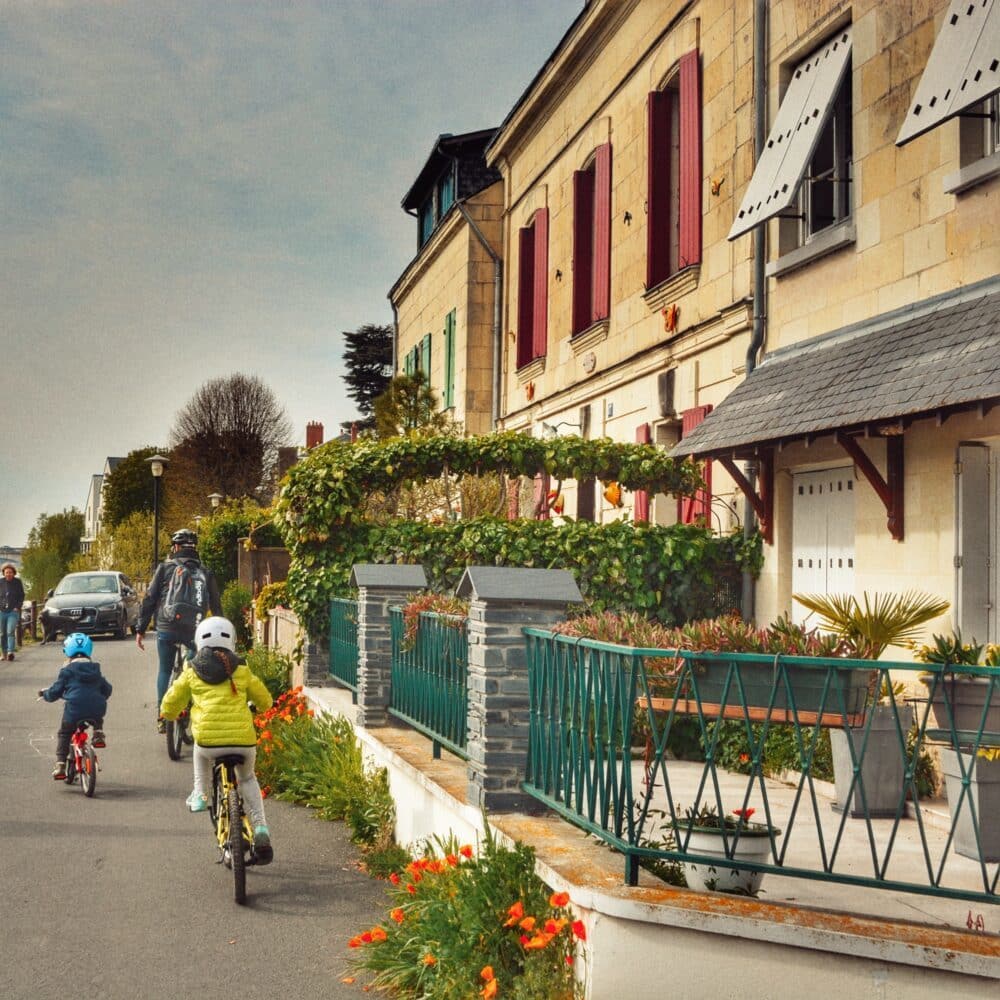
[
  {"x": 395, "y": 335},
  {"x": 759, "y": 328},
  {"x": 497, "y": 308}
]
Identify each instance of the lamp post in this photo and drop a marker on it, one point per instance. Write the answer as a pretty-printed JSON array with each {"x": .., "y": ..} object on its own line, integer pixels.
[
  {"x": 214, "y": 499},
  {"x": 197, "y": 521},
  {"x": 157, "y": 463}
]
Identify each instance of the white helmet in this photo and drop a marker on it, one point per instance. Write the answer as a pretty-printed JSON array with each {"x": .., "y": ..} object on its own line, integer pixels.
[{"x": 216, "y": 633}]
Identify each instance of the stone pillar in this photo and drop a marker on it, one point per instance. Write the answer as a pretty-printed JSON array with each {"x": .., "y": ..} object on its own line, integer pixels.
[
  {"x": 502, "y": 601},
  {"x": 379, "y": 588}
]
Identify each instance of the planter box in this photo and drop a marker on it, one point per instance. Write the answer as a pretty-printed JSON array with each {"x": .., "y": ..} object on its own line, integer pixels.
[
  {"x": 966, "y": 696},
  {"x": 984, "y": 789},
  {"x": 882, "y": 768},
  {"x": 759, "y": 676},
  {"x": 754, "y": 846}
]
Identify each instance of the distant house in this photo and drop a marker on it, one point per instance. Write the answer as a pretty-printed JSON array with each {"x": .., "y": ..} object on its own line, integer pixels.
[
  {"x": 444, "y": 303},
  {"x": 95, "y": 504}
]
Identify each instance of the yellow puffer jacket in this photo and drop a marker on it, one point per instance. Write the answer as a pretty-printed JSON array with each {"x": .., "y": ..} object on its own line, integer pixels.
[{"x": 219, "y": 716}]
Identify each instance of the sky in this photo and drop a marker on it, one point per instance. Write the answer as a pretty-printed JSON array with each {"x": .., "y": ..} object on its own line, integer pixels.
[{"x": 193, "y": 189}]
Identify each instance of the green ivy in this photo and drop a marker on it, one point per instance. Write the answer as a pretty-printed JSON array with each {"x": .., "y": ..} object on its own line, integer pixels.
[{"x": 219, "y": 534}]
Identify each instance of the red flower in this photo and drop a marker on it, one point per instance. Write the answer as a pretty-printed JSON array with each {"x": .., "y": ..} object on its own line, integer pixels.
[
  {"x": 559, "y": 899},
  {"x": 465, "y": 851},
  {"x": 397, "y": 915},
  {"x": 411, "y": 889},
  {"x": 394, "y": 878},
  {"x": 745, "y": 813},
  {"x": 579, "y": 931}
]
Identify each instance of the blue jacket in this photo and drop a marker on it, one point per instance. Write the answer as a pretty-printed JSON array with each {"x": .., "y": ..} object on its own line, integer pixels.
[{"x": 84, "y": 689}]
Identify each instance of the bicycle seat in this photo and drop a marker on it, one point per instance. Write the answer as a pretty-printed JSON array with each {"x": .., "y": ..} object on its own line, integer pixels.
[{"x": 230, "y": 758}]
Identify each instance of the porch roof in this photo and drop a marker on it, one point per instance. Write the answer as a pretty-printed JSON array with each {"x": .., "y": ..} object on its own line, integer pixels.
[{"x": 928, "y": 359}]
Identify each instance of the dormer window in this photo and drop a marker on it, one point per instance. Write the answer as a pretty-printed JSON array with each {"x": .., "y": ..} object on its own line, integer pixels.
[{"x": 435, "y": 206}]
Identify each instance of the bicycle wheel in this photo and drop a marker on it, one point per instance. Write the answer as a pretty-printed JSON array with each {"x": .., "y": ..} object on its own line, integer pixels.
[
  {"x": 175, "y": 739},
  {"x": 71, "y": 768},
  {"x": 236, "y": 846},
  {"x": 88, "y": 771}
]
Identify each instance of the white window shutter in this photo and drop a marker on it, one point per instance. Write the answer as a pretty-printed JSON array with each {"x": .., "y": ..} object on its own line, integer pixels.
[{"x": 972, "y": 542}]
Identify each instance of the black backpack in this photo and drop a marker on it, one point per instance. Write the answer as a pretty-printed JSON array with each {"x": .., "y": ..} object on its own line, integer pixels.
[{"x": 185, "y": 599}]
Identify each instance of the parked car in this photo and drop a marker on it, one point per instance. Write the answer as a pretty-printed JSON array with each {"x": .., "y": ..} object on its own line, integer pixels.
[{"x": 98, "y": 601}]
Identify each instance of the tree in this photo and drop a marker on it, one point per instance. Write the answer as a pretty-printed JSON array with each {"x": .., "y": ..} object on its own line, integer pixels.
[
  {"x": 129, "y": 488},
  {"x": 409, "y": 404},
  {"x": 224, "y": 440},
  {"x": 52, "y": 544},
  {"x": 368, "y": 358},
  {"x": 128, "y": 547}
]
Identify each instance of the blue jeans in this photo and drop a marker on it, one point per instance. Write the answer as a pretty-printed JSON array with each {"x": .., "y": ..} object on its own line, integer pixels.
[
  {"x": 166, "y": 650},
  {"x": 8, "y": 630}
]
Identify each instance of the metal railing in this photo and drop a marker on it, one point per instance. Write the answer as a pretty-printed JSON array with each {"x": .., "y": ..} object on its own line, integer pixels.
[
  {"x": 589, "y": 700},
  {"x": 429, "y": 678},
  {"x": 344, "y": 643}
]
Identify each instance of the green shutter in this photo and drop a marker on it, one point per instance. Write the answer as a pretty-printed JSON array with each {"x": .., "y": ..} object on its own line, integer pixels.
[
  {"x": 425, "y": 357},
  {"x": 449, "y": 360},
  {"x": 408, "y": 363}
]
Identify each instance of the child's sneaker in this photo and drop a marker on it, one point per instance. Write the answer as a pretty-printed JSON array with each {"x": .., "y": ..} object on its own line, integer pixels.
[
  {"x": 99, "y": 739},
  {"x": 197, "y": 803},
  {"x": 263, "y": 852},
  {"x": 161, "y": 725},
  {"x": 59, "y": 771}
]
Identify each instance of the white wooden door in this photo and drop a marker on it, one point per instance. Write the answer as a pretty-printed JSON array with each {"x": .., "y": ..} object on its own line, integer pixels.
[{"x": 822, "y": 534}]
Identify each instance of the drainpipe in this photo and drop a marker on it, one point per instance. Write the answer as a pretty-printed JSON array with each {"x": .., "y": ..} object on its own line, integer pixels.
[
  {"x": 497, "y": 311},
  {"x": 395, "y": 335},
  {"x": 759, "y": 328}
]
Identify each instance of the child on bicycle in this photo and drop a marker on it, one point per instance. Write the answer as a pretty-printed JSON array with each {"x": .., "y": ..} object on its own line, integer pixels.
[
  {"x": 218, "y": 685},
  {"x": 85, "y": 690}
]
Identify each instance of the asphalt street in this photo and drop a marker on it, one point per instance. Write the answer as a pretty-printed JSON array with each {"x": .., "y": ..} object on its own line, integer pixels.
[{"x": 119, "y": 896}]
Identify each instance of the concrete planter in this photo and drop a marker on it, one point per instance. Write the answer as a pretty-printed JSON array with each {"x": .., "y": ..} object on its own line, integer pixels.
[
  {"x": 882, "y": 768},
  {"x": 966, "y": 696},
  {"x": 753, "y": 846},
  {"x": 984, "y": 790}
]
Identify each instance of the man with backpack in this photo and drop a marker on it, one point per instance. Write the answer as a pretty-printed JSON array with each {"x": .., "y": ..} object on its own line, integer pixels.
[{"x": 181, "y": 593}]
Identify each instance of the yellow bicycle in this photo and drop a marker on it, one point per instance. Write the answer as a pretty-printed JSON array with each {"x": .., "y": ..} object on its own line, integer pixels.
[{"x": 233, "y": 831}]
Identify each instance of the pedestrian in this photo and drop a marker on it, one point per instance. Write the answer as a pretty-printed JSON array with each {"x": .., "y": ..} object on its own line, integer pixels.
[
  {"x": 85, "y": 690},
  {"x": 218, "y": 684},
  {"x": 11, "y": 602},
  {"x": 181, "y": 594}
]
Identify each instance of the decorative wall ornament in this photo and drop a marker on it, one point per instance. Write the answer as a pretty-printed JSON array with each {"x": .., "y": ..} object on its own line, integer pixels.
[{"x": 589, "y": 362}]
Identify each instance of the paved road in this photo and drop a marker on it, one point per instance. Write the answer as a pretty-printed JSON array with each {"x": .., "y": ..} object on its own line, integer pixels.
[{"x": 118, "y": 897}]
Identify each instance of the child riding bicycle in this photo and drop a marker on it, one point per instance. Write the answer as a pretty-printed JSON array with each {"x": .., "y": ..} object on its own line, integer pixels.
[
  {"x": 218, "y": 685},
  {"x": 84, "y": 689}
]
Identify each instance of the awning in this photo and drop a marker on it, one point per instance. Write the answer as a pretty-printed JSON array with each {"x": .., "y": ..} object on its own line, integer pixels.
[
  {"x": 963, "y": 68},
  {"x": 929, "y": 359},
  {"x": 801, "y": 118}
]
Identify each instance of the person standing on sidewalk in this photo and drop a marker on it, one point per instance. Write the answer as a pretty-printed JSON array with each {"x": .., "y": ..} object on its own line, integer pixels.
[
  {"x": 181, "y": 594},
  {"x": 11, "y": 602}
]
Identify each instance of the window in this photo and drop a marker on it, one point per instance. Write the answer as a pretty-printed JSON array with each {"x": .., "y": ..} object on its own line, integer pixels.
[
  {"x": 445, "y": 193},
  {"x": 592, "y": 241},
  {"x": 979, "y": 146},
  {"x": 696, "y": 509},
  {"x": 533, "y": 289},
  {"x": 449, "y": 361},
  {"x": 805, "y": 165},
  {"x": 673, "y": 114},
  {"x": 436, "y": 206},
  {"x": 424, "y": 357},
  {"x": 425, "y": 221}
]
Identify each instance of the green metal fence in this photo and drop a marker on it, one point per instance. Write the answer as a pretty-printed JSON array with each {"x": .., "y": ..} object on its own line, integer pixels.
[
  {"x": 344, "y": 643},
  {"x": 429, "y": 679},
  {"x": 589, "y": 701}
]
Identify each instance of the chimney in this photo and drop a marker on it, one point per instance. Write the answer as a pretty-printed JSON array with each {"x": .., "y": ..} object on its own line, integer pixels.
[{"x": 314, "y": 434}]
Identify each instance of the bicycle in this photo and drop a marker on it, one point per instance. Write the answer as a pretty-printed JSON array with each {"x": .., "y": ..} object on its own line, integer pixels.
[
  {"x": 82, "y": 760},
  {"x": 233, "y": 831},
  {"x": 179, "y": 730}
]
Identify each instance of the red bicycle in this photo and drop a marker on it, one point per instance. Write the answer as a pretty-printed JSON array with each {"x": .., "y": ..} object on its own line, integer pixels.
[{"x": 82, "y": 760}]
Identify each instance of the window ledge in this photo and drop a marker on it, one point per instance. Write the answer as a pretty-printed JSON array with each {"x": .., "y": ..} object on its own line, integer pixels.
[
  {"x": 591, "y": 337},
  {"x": 531, "y": 370},
  {"x": 975, "y": 173},
  {"x": 834, "y": 238},
  {"x": 672, "y": 288}
]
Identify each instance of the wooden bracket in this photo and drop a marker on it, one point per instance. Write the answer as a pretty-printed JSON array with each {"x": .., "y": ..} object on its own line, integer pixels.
[
  {"x": 890, "y": 489},
  {"x": 762, "y": 501}
]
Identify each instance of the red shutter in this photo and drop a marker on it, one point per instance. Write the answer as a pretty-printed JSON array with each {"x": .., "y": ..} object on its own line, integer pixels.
[
  {"x": 690, "y": 510},
  {"x": 602, "y": 233},
  {"x": 513, "y": 497},
  {"x": 540, "y": 319},
  {"x": 690, "y": 160},
  {"x": 525, "y": 294},
  {"x": 583, "y": 240},
  {"x": 658, "y": 188},
  {"x": 641, "y": 512},
  {"x": 541, "y": 506}
]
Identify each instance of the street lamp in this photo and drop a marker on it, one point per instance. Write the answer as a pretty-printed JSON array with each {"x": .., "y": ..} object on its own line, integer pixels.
[
  {"x": 197, "y": 521},
  {"x": 157, "y": 463},
  {"x": 551, "y": 431},
  {"x": 215, "y": 499}
]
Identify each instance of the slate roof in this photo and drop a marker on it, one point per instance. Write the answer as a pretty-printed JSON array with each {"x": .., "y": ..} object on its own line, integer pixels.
[{"x": 937, "y": 355}]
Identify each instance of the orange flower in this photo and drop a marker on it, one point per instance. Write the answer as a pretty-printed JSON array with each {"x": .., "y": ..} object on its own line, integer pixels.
[
  {"x": 452, "y": 860},
  {"x": 559, "y": 899},
  {"x": 397, "y": 915},
  {"x": 514, "y": 914},
  {"x": 355, "y": 942},
  {"x": 579, "y": 931},
  {"x": 540, "y": 940},
  {"x": 394, "y": 878},
  {"x": 553, "y": 927},
  {"x": 411, "y": 889},
  {"x": 429, "y": 959},
  {"x": 366, "y": 937},
  {"x": 489, "y": 990},
  {"x": 266, "y": 735},
  {"x": 486, "y": 973},
  {"x": 465, "y": 851},
  {"x": 528, "y": 924},
  {"x": 378, "y": 934}
]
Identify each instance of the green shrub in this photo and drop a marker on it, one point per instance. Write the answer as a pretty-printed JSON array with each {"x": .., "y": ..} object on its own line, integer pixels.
[
  {"x": 236, "y": 607},
  {"x": 272, "y": 667}
]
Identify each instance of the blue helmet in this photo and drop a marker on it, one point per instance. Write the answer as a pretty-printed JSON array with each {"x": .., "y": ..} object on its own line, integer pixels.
[{"x": 78, "y": 644}]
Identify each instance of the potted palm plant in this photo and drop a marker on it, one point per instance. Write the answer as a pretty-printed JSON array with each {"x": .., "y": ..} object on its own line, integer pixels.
[{"x": 869, "y": 760}]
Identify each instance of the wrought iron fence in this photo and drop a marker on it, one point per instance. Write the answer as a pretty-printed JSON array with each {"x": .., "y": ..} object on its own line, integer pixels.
[
  {"x": 589, "y": 700},
  {"x": 429, "y": 678},
  {"x": 344, "y": 643}
]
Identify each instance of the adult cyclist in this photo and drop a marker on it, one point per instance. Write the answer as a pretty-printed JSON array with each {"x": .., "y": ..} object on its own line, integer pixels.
[{"x": 181, "y": 593}]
